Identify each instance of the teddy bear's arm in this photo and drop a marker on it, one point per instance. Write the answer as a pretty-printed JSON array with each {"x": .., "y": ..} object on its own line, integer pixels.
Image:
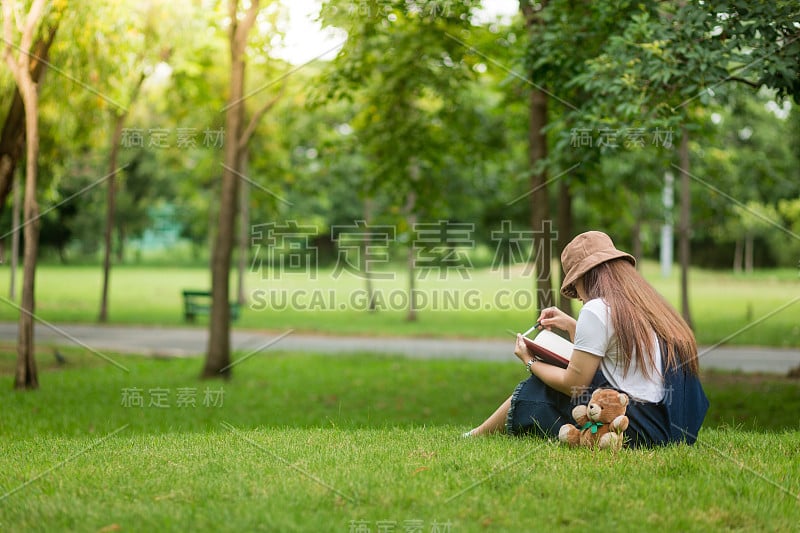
[
  {"x": 579, "y": 414},
  {"x": 620, "y": 423}
]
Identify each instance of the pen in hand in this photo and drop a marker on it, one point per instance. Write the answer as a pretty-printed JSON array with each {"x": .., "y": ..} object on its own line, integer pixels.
[{"x": 535, "y": 326}]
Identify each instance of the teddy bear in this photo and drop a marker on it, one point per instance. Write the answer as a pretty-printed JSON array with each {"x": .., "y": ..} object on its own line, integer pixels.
[{"x": 600, "y": 424}]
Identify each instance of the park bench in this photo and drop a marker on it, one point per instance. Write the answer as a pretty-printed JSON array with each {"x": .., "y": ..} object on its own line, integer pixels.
[{"x": 199, "y": 303}]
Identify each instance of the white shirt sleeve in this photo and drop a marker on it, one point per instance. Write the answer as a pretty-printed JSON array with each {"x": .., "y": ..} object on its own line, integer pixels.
[{"x": 592, "y": 332}]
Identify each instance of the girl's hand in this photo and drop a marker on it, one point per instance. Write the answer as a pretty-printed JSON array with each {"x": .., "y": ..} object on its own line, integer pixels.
[
  {"x": 553, "y": 317},
  {"x": 521, "y": 351}
]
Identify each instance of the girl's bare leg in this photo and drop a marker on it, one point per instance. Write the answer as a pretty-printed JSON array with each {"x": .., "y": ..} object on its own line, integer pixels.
[{"x": 495, "y": 423}]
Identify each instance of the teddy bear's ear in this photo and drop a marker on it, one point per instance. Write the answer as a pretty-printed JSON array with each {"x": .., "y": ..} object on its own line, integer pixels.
[{"x": 623, "y": 399}]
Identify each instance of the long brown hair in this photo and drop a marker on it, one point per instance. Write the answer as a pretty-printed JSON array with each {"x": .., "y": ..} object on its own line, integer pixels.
[{"x": 638, "y": 311}]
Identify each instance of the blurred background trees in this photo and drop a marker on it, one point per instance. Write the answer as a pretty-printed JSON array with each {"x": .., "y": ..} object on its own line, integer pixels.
[
  {"x": 327, "y": 139},
  {"x": 423, "y": 115}
]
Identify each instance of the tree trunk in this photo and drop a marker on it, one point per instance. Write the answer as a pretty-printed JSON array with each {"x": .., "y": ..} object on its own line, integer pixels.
[
  {"x": 685, "y": 225},
  {"x": 748, "y": 253},
  {"x": 12, "y": 138},
  {"x": 119, "y": 251},
  {"x": 244, "y": 229},
  {"x": 213, "y": 215},
  {"x": 244, "y": 196},
  {"x": 111, "y": 201},
  {"x": 737, "y": 257},
  {"x": 218, "y": 356},
  {"x": 537, "y": 151},
  {"x": 412, "y": 259},
  {"x": 116, "y": 140},
  {"x": 540, "y": 211},
  {"x": 25, "y": 375},
  {"x": 364, "y": 250},
  {"x": 564, "y": 236},
  {"x": 636, "y": 244},
  {"x": 367, "y": 277},
  {"x": 12, "y": 287}
]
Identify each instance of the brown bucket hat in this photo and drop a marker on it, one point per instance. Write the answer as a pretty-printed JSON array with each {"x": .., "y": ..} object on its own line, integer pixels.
[{"x": 585, "y": 252}]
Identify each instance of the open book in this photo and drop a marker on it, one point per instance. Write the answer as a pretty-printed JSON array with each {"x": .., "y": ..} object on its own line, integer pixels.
[{"x": 550, "y": 348}]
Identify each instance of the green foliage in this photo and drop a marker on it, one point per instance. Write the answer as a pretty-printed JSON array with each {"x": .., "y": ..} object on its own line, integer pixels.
[
  {"x": 655, "y": 66},
  {"x": 672, "y": 57},
  {"x": 742, "y": 177},
  {"x": 403, "y": 67},
  {"x": 786, "y": 245},
  {"x": 424, "y": 99}
]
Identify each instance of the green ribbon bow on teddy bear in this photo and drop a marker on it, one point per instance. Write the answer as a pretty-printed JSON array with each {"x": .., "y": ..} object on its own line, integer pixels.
[{"x": 593, "y": 425}]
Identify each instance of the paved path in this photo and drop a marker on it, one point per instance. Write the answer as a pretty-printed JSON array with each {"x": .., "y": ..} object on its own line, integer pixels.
[{"x": 188, "y": 342}]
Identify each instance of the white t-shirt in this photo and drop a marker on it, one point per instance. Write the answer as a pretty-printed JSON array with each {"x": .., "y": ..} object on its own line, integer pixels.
[{"x": 594, "y": 334}]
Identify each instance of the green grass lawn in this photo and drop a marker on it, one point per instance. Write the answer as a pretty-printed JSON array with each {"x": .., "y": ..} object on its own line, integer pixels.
[
  {"x": 304, "y": 442},
  {"x": 761, "y": 309}
]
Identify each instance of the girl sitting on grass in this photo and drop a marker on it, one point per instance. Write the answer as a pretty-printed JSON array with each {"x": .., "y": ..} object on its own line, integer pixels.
[{"x": 626, "y": 337}]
